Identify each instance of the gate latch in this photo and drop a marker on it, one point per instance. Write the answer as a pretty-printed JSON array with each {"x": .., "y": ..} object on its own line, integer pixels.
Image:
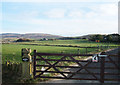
[{"x": 102, "y": 54}]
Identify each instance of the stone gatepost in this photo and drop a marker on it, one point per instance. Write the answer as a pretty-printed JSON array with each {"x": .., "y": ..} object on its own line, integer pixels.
[{"x": 26, "y": 63}]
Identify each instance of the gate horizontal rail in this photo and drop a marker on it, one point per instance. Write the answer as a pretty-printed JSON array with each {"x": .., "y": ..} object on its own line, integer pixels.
[
  {"x": 61, "y": 54},
  {"x": 63, "y": 60},
  {"x": 71, "y": 60},
  {"x": 66, "y": 78},
  {"x": 77, "y": 73},
  {"x": 76, "y": 67},
  {"x": 39, "y": 73},
  {"x": 78, "y": 78}
]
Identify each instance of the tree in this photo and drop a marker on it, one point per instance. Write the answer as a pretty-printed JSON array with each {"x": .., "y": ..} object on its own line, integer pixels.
[
  {"x": 109, "y": 38},
  {"x": 23, "y": 40},
  {"x": 105, "y": 38}
]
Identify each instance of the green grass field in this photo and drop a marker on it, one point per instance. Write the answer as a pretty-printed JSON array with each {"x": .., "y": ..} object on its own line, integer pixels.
[
  {"x": 67, "y": 42},
  {"x": 12, "y": 52}
]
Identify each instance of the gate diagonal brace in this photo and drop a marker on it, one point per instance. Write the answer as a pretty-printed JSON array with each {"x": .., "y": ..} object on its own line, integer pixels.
[
  {"x": 113, "y": 62},
  {"x": 83, "y": 67},
  {"x": 79, "y": 70},
  {"x": 52, "y": 66},
  {"x": 103, "y": 54}
]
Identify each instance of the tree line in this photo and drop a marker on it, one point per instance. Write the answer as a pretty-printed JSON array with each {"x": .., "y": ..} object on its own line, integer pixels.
[{"x": 105, "y": 38}]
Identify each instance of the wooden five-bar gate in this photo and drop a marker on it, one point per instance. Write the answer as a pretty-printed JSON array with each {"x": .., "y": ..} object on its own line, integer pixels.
[{"x": 70, "y": 66}]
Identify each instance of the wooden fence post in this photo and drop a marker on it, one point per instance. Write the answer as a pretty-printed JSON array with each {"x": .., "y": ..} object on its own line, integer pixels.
[
  {"x": 78, "y": 51},
  {"x": 102, "y": 65},
  {"x": 101, "y": 47},
  {"x": 86, "y": 50},
  {"x": 26, "y": 63},
  {"x": 98, "y": 48},
  {"x": 34, "y": 63}
]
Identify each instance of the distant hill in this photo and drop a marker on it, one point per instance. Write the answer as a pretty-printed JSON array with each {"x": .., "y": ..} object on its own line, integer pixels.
[
  {"x": 28, "y": 35},
  {"x": 41, "y": 35},
  {"x": 86, "y": 36},
  {"x": 77, "y": 37}
]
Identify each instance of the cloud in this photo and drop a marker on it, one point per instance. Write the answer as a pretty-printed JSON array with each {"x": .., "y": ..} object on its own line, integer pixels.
[
  {"x": 55, "y": 13},
  {"x": 91, "y": 14},
  {"x": 76, "y": 14},
  {"x": 105, "y": 10},
  {"x": 68, "y": 27},
  {"x": 75, "y": 26},
  {"x": 109, "y": 9},
  {"x": 28, "y": 14},
  {"x": 100, "y": 18}
]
